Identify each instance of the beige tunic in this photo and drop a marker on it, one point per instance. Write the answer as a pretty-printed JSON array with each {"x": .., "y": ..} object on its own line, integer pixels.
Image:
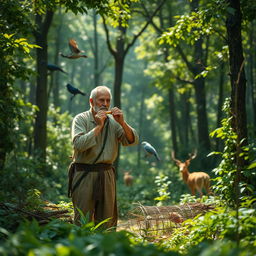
[{"x": 86, "y": 148}]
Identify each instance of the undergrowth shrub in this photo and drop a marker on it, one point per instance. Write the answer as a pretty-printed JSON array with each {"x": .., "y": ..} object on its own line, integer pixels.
[{"x": 58, "y": 238}]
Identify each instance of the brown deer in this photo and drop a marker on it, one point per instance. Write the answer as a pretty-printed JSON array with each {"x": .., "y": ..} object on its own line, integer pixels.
[
  {"x": 128, "y": 179},
  {"x": 196, "y": 181}
]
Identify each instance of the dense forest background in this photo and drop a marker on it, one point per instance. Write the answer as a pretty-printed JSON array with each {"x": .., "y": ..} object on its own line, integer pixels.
[{"x": 183, "y": 72}]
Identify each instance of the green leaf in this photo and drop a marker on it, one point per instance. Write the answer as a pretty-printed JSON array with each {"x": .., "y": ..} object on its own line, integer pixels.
[
  {"x": 100, "y": 224},
  {"x": 4, "y": 231},
  {"x": 252, "y": 165},
  {"x": 214, "y": 153}
]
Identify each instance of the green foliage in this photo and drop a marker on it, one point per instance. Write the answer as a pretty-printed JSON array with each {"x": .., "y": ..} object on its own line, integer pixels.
[
  {"x": 13, "y": 49},
  {"x": 14, "y": 18},
  {"x": 14, "y": 25},
  {"x": 33, "y": 200},
  {"x": 9, "y": 117},
  {"x": 204, "y": 22},
  {"x": 188, "y": 28},
  {"x": 21, "y": 170},
  {"x": 119, "y": 12},
  {"x": 162, "y": 183},
  {"x": 248, "y": 8},
  {"x": 59, "y": 151},
  {"x": 76, "y": 6},
  {"x": 205, "y": 72},
  {"x": 221, "y": 248},
  {"x": 203, "y": 235},
  {"x": 20, "y": 43},
  {"x": 58, "y": 238},
  {"x": 215, "y": 226},
  {"x": 227, "y": 169},
  {"x": 18, "y": 174},
  {"x": 213, "y": 233}
]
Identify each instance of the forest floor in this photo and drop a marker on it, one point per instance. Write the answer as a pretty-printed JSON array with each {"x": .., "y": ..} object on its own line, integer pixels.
[{"x": 159, "y": 222}]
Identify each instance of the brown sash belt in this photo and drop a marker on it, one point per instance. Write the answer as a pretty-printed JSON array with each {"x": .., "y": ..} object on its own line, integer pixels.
[{"x": 86, "y": 168}]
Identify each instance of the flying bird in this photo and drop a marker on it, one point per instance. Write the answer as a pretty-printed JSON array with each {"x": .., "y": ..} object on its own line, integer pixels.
[
  {"x": 150, "y": 150},
  {"x": 75, "y": 52},
  {"x": 53, "y": 67},
  {"x": 74, "y": 91}
]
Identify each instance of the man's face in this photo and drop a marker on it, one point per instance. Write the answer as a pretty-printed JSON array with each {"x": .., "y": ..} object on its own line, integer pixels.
[{"x": 101, "y": 101}]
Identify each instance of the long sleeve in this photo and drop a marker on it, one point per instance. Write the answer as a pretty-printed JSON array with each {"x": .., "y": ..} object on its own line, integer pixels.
[
  {"x": 82, "y": 137},
  {"x": 122, "y": 138}
]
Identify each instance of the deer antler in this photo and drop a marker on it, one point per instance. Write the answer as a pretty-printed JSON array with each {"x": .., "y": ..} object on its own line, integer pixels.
[
  {"x": 192, "y": 155},
  {"x": 173, "y": 158}
]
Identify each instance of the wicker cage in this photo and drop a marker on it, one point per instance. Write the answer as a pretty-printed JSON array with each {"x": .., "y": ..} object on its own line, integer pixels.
[{"x": 159, "y": 220}]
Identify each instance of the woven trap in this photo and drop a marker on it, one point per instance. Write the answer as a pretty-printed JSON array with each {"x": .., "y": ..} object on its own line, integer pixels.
[{"x": 160, "y": 220}]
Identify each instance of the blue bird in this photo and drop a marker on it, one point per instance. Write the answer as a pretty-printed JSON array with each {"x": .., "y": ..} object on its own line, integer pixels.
[
  {"x": 150, "y": 150},
  {"x": 53, "y": 67},
  {"x": 74, "y": 91}
]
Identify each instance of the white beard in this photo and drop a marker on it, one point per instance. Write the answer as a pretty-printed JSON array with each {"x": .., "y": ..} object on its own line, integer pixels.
[{"x": 97, "y": 109}]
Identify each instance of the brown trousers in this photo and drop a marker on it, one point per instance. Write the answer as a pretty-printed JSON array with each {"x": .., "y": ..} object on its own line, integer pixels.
[{"x": 99, "y": 209}]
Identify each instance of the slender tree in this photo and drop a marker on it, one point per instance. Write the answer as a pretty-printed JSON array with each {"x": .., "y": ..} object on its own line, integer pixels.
[
  {"x": 96, "y": 51},
  {"x": 56, "y": 86},
  {"x": 251, "y": 75},
  {"x": 237, "y": 74},
  {"x": 40, "y": 132},
  {"x": 220, "y": 101},
  {"x": 238, "y": 89}
]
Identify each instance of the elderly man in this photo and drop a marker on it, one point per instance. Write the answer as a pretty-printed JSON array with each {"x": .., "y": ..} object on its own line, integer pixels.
[{"x": 96, "y": 134}]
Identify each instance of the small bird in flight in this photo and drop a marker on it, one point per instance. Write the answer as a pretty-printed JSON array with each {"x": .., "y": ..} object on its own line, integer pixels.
[
  {"x": 75, "y": 52},
  {"x": 74, "y": 91},
  {"x": 53, "y": 67},
  {"x": 150, "y": 150}
]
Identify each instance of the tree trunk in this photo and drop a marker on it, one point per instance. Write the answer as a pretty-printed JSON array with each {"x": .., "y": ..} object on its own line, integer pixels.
[
  {"x": 32, "y": 91},
  {"x": 96, "y": 51},
  {"x": 251, "y": 78},
  {"x": 173, "y": 120},
  {"x": 172, "y": 108},
  {"x": 187, "y": 120},
  {"x": 199, "y": 85},
  {"x": 237, "y": 73},
  {"x": 140, "y": 126},
  {"x": 220, "y": 102},
  {"x": 40, "y": 132},
  {"x": 119, "y": 66},
  {"x": 71, "y": 101},
  {"x": 238, "y": 92},
  {"x": 5, "y": 143},
  {"x": 56, "y": 89}
]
